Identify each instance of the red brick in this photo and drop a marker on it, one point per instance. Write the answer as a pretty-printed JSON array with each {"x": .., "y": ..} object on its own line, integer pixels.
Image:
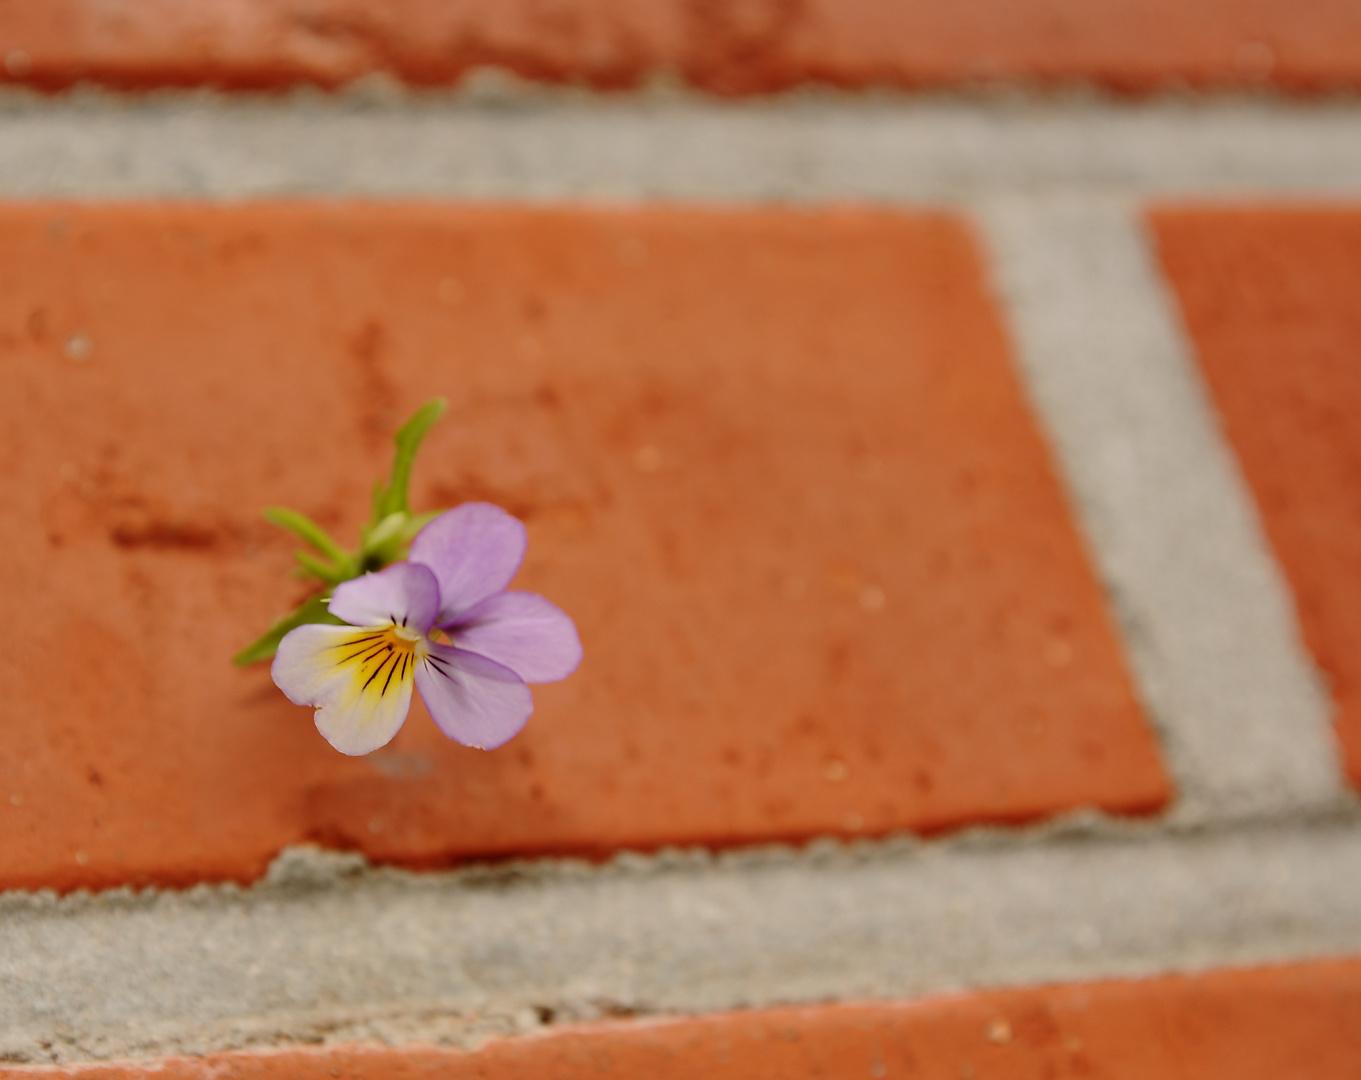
[
  {"x": 755, "y": 45},
  {"x": 777, "y": 465},
  {"x": 1267, "y": 1024},
  {"x": 1272, "y": 299}
]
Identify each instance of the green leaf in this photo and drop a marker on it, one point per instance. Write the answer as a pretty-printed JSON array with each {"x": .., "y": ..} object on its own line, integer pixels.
[
  {"x": 408, "y": 441},
  {"x": 306, "y": 529},
  {"x": 322, "y": 570},
  {"x": 312, "y": 610}
]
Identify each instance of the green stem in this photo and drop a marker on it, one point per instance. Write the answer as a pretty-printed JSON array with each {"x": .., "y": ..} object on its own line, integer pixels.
[{"x": 408, "y": 441}]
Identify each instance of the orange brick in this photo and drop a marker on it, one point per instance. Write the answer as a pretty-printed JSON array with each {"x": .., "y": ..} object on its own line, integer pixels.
[
  {"x": 1272, "y": 299},
  {"x": 759, "y": 45},
  {"x": 777, "y": 466},
  {"x": 1267, "y": 1024}
]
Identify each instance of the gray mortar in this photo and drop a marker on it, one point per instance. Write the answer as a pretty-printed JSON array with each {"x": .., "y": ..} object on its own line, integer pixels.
[
  {"x": 325, "y": 950},
  {"x": 550, "y": 146},
  {"x": 1207, "y": 618}
]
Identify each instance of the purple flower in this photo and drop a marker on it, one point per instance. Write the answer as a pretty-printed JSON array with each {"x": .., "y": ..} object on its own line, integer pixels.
[{"x": 359, "y": 677}]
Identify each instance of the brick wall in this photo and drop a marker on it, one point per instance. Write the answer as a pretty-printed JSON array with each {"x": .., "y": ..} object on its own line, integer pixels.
[{"x": 953, "y": 492}]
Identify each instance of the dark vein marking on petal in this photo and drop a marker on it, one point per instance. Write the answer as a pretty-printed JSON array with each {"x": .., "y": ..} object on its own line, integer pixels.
[
  {"x": 359, "y": 640},
  {"x": 376, "y": 671},
  {"x": 364, "y": 655},
  {"x": 440, "y": 663},
  {"x": 388, "y": 681},
  {"x": 369, "y": 647}
]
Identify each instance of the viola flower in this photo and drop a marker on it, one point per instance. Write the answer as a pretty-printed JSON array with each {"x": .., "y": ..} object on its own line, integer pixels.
[{"x": 442, "y": 622}]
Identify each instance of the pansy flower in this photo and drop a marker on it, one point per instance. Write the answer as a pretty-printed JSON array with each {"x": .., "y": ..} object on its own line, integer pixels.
[{"x": 443, "y": 622}]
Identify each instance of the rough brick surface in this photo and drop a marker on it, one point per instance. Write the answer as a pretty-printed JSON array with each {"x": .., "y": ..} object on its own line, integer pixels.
[
  {"x": 1271, "y": 301},
  {"x": 1256, "y": 1025},
  {"x": 777, "y": 465},
  {"x": 753, "y": 45}
]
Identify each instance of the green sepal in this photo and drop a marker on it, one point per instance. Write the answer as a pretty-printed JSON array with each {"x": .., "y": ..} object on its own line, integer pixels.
[
  {"x": 415, "y": 523},
  {"x": 393, "y": 499},
  {"x": 388, "y": 529},
  {"x": 311, "y": 610}
]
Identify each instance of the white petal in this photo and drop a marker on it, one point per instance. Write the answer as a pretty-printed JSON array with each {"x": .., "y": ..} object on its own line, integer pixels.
[{"x": 358, "y": 679}]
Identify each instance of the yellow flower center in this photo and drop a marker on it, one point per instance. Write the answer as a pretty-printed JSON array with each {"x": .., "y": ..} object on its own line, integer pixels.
[{"x": 379, "y": 657}]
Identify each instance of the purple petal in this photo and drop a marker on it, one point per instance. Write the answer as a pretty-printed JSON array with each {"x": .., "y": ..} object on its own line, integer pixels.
[
  {"x": 404, "y": 593},
  {"x": 474, "y": 551},
  {"x": 473, "y": 700},
  {"x": 358, "y": 680},
  {"x": 534, "y": 638}
]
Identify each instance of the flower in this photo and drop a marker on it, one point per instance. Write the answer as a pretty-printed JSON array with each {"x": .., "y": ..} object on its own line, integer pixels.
[{"x": 453, "y": 586}]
